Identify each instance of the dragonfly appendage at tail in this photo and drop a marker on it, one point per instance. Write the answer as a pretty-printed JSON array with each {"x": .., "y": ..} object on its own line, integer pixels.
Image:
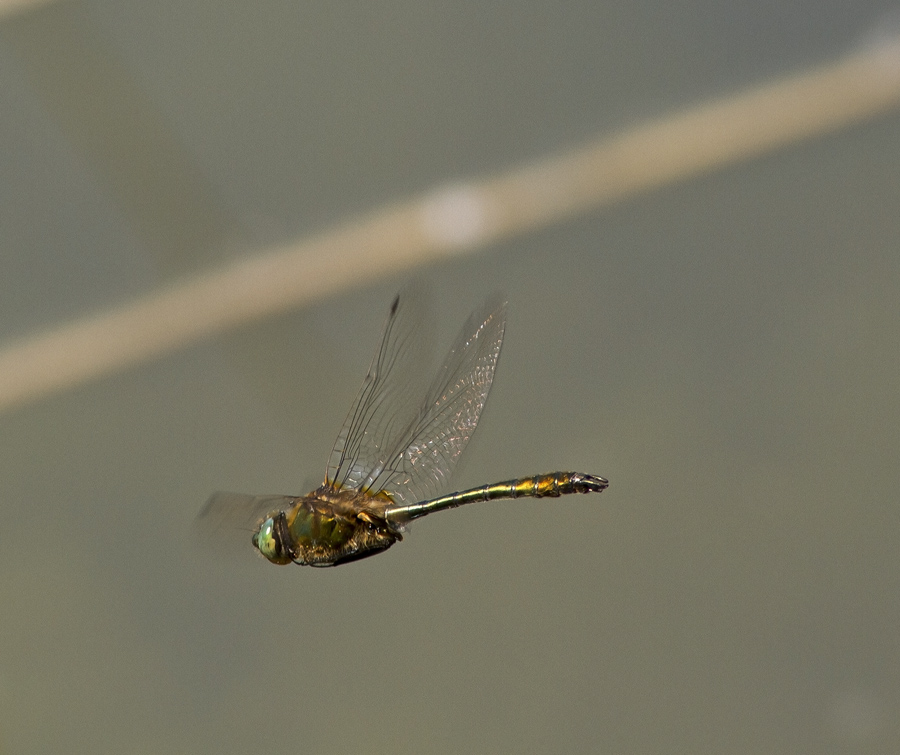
[
  {"x": 554, "y": 485},
  {"x": 550, "y": 485}
]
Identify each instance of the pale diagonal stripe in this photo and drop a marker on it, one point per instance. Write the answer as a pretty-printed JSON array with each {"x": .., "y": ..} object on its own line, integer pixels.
[
  {"x": 20, "y": 6},
  {"x": 455, "y": 220}
]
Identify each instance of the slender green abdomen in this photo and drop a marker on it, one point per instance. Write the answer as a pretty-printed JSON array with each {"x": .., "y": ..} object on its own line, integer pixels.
[{"x": 550, "y": 485}]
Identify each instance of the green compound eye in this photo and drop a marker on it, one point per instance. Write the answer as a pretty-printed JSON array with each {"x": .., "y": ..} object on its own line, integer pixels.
[
  {"x": 269, "y": 542},
  {"x": 265, "y": 539}
]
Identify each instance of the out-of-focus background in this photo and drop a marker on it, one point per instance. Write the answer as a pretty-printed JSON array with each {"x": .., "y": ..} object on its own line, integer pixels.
[{"x": 725, "y": 349}]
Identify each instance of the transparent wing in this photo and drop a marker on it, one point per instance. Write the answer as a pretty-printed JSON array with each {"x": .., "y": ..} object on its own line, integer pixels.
[
  {"x": 227, "y": 521},
  {"x": 406, "y": 448},
  {"x": 386, "y": 404},
  {"x": 451, "y": 409}
]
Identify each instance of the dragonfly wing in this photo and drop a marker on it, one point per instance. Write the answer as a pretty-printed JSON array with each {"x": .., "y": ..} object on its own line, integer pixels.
[
  {"x": 227, "y": 521},
  {"x": 421, "y": 457},
  {"x": 384, "y": 408}
]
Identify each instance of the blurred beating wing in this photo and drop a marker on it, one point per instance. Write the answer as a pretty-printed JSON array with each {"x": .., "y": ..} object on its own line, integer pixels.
[
  {"x": 228, "y": 520},
  {"x": 408, "y": 449}
]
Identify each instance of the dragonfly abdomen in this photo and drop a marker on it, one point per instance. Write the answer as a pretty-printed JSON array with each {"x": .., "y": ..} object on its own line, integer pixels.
[{"x": 550, "y": 485}]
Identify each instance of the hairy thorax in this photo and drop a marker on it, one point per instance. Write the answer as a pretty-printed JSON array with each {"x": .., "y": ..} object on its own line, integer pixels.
[{"x": 329, "y": 527}]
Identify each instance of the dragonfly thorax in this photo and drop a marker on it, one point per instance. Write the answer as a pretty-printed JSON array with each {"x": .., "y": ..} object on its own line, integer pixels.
[{"x": 325, "y": 528}]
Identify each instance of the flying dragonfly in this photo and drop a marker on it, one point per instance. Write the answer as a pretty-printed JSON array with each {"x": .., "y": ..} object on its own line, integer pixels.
[{"x": 393, "y": 454}]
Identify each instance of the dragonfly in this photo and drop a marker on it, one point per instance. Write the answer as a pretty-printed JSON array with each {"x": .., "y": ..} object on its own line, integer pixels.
[{"x": 394, "y": 453}]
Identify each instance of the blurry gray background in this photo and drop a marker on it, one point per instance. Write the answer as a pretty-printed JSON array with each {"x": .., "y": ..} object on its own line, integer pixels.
[{"x": 726, "y": 351}]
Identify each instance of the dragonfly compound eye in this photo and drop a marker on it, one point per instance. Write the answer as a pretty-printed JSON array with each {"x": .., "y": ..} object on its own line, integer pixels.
[{"x": 269, "y": 540}]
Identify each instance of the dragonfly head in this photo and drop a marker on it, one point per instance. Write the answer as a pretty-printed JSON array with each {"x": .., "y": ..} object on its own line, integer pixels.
[{"x": 273, "y": 541}]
